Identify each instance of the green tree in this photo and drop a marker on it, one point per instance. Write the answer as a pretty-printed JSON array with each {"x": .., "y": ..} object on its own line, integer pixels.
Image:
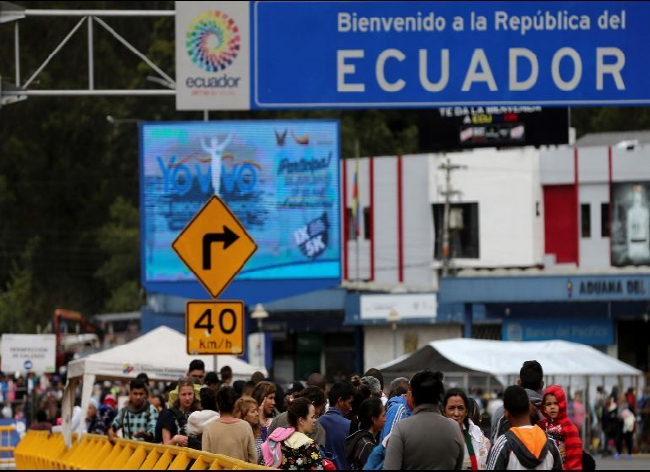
[
  {"x": 120, "y": 240},
  {"x": 599, "y": 119},
  {"x": 19, "y": 307}
]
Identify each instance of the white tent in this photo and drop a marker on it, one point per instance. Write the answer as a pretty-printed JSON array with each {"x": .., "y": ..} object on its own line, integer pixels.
[
  {"x": 482, "y": 364},
  {"x": 502, "y": 360},
  {"x": 160, "y": 353}
]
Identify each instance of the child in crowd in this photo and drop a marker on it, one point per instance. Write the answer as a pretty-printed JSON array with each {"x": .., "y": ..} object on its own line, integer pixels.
[{"x": 559, "y": 427}]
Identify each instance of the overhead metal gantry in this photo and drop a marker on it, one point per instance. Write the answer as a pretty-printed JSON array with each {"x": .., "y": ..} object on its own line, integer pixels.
[{"x": 19, "y": 90}]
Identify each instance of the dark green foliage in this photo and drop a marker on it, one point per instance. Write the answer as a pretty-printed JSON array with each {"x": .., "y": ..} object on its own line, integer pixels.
[{"x": 589, "y": 120}]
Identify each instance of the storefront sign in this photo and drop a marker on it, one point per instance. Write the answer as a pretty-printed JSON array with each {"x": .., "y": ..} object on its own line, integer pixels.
[
  {"x": 603, "y": 288},
  {"x": 592, "y": 332},
  {"x": 546, "y": 288},
  {"x": 408, "y": 306}
]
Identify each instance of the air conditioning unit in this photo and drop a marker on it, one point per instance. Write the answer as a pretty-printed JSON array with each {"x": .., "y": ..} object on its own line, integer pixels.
[{"x": 628, "y": 144}]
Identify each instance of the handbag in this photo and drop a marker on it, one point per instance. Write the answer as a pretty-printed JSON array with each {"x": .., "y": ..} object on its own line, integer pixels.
[
  {"x": 588, "y": 462},
  {"x": 328, "y": 462}
]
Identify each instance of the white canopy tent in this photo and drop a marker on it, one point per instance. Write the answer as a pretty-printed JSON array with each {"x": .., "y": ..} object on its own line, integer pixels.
[
  {"x": 482, "y": 364},
  {"x": 160, "y": 353},
  {"x": 502, "y": 360}
]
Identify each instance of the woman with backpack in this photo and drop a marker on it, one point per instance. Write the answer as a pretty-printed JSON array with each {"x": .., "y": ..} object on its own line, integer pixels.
[
  {"x": 198, "y": 420},
  {"x": 291, "y": 448},
  {"x": 358, "y": 446},
  {"x": 173, "y": 421}
]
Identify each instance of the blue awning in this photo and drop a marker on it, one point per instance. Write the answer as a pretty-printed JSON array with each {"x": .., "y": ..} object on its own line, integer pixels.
[{"x": 329, "y": 299}]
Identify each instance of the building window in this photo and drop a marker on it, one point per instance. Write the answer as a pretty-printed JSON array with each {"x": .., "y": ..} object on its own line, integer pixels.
[
  {"x": 585, "y": 219},
  {"x": 367, "y": 223},
  {"x": 463, "y": 230},
  {"x": 351, "y": 236},
  {"x": 604, "y": 220}
]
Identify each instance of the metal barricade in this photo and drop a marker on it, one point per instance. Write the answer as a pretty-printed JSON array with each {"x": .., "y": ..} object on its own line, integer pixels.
[
  {"x": 42, "y": 450},
  {"x": 7, "y": 459}
]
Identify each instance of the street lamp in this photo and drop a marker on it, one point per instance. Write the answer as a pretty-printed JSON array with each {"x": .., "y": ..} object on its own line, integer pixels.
[
  {"x": 393, "y": 318},
  {"x": 260, "y": 314},
  {"x": 122, "y": 121}
]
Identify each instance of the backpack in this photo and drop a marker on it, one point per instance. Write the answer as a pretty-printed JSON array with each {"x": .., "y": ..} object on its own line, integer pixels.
[
  {"x": 272, "y": 453},
  {"x": 588, "y": 462},
  {"x": 195, "y": 442},
  {"x": 376, "y": 458},
  {"x": 179, "y": 419},
  {"x": 272, "y": 447},
  {"x": 328, "y": 459},
  {"x": 504, "y": 424}
]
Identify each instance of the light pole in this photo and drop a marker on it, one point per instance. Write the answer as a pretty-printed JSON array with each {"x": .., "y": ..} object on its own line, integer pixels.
[
  {"x": 122, "y": 121},
  {"x": 260, "y": 314},
  {"x": 393, "y": 318}
]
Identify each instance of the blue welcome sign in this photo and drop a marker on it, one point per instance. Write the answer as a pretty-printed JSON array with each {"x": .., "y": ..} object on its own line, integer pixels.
[{"x": 423, "y": 54}]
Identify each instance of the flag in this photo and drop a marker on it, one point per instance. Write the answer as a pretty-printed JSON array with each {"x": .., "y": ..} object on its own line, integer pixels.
[{"x": 355, "y": 200}]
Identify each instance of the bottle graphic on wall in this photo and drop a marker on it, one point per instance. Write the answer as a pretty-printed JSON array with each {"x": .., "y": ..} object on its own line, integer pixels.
[{"x": 638, "y": 228}]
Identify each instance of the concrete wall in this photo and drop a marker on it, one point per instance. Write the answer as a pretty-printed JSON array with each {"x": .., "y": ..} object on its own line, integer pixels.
[
  {"x": 378, "y": 340},
  {"x": 418, "y": 235},
  {"x": 557, "y": 167},
  {"x": 506, "y": 185},
  {"x": 594, "y": 250},
  {"x": 631, "y": 166}
]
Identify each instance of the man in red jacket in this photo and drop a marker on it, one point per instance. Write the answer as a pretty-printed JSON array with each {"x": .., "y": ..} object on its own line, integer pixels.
[{"x": 559, "y": 427}]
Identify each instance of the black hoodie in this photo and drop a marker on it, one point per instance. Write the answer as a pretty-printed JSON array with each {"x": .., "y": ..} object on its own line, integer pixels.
[
  {"x": 358, "y": 447},
  {"x": 524, "y": 448}
]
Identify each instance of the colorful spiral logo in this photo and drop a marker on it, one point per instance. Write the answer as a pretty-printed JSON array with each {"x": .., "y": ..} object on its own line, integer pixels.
[{"x": 213, "y": 41}]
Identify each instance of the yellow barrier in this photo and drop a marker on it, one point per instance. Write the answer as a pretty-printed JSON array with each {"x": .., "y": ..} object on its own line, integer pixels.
[
  {"x": 42, "y": 450},
  {"x": 5, "y": 445}
]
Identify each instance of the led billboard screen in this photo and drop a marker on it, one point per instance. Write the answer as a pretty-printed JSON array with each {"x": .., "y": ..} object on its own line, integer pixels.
[
  {"x": 456, "y": 128},
  {"x": 279, "y": 178}
]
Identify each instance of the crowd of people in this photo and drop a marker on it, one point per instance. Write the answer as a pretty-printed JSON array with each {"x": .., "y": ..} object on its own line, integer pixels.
[{"x": 359, "y": 424}]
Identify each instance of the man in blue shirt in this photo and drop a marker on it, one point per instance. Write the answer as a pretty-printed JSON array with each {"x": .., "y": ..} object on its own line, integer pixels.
[
  {"x": 398, "y": 407},
  {"x": 335, "y": 423}
]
